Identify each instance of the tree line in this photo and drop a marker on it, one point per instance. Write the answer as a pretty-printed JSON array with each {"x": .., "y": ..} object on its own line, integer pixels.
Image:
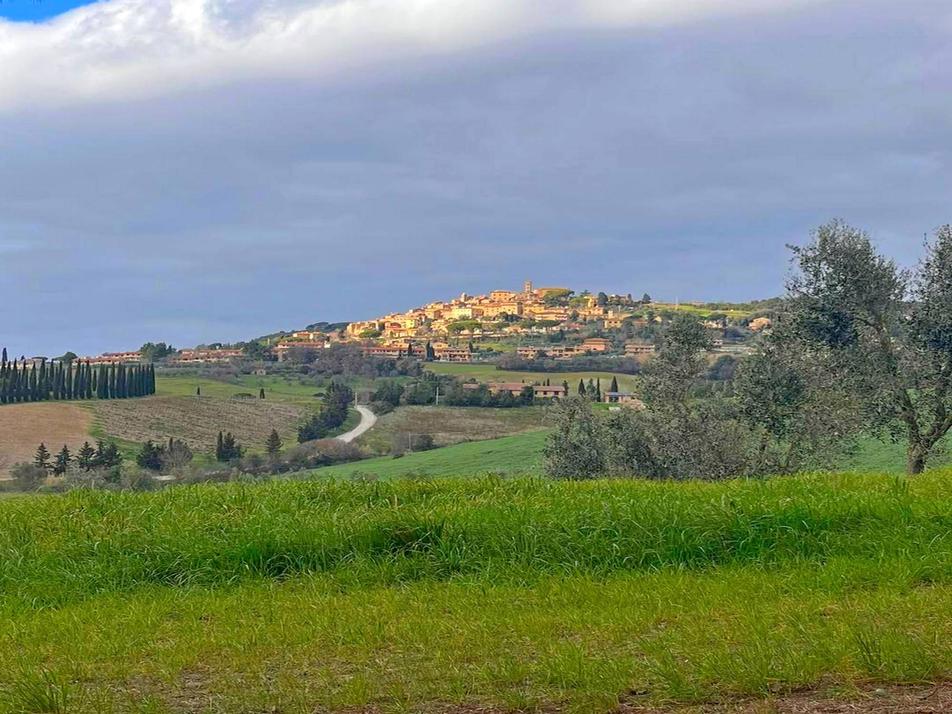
[{"x": 25, "y": 381}]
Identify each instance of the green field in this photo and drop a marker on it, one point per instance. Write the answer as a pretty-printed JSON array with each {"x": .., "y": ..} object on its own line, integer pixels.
[
  {"x": 472, "y": 594},
  {"x": 449, "y": 425},
  {"x": 522, "y": 453},
  {"x": 517, "y": 454},
  {"x": 278, "y": 389},
  {"x": 488, "y": 373}
]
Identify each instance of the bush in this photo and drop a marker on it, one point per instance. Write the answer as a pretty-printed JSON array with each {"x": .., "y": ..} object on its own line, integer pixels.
[{"x": 28, "y": 477}]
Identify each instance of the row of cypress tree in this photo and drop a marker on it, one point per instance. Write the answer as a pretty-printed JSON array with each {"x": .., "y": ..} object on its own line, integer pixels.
[{"x": 23, "y": 381}]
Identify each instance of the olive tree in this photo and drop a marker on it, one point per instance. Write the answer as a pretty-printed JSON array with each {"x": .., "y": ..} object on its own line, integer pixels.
[{"x": 885, "y": 333}]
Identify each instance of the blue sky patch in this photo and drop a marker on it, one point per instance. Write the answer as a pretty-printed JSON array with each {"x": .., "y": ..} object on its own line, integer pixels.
[{"x": 37, "y": 10}]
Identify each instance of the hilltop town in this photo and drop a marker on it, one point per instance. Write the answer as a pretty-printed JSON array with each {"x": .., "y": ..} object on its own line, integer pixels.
[{"x": 535, "y": 323}]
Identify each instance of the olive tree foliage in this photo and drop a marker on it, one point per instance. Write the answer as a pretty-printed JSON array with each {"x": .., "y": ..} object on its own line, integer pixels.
[
  {"x": 798, "y": 409},
  {"x": 886, "y": 334},
  {"x": 676, "y": 435},
  {"x": 785, "y": 413},
  {"x": 574, "y": 449}
]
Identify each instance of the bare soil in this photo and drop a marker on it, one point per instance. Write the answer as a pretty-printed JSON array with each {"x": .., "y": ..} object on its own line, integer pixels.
[
  {"x": 925, "y": 699},
  {"x": 24, "y": 426},
  {"x": 197, "y": 420}
]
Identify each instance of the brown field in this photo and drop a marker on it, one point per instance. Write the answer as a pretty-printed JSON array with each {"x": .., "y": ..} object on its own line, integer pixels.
[
  {"x": 451, "y": 425},
  {"x": 197, "y": 420},
  {"x": 24, "y": 426}
]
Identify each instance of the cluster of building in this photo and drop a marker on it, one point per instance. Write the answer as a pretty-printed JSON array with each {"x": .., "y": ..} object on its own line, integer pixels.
[
  {"x": 181, "y": 358},
  {"x": 593, "y": 345},
  {"x": 556, "y": 391},
  {"x": 441, "y": 318}
]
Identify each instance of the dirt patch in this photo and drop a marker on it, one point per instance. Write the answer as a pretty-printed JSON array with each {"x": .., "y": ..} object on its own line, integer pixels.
[
  {"x": 930, "y": 699},
  {"x": 24, "y": 426},
  {"x": 197, "y": 420}
]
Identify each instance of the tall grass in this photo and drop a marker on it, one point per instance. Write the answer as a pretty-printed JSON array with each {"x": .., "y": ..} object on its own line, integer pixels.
[{"x": 62, "y": 549}]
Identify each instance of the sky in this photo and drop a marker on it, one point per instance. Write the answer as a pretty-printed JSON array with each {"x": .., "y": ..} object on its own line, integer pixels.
[
  {"x": 192, "y": 171},
  {"x": 37, "y": 10}
]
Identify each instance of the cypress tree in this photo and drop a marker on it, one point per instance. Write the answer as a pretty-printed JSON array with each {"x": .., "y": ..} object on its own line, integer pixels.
[
  {"x": 34, "y": 392},
  {"x": 581, "y": 387},
  {"x": 273, "y": 445},
  {"x": 614, "y": 387}
]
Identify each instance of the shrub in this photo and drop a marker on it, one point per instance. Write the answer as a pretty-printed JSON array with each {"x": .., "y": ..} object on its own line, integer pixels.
[{"x": 28, "y": 477}]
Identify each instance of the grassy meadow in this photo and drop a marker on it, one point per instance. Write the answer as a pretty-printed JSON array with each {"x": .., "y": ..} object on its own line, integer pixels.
[
  {"x": 450, "y": 425},
  {"x": 518, "y": 454},
  {"x": 482, "y": 594}
]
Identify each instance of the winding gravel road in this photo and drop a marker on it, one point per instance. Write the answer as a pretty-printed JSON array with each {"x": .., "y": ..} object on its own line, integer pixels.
[{"x": 367, "y": 421}]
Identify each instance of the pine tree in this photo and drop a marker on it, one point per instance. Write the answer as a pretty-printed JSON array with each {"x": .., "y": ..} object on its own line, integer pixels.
[
  {"x": 42, "y": 458},
  {"x": 273, "y": 445},
  {"x": 62, "y": 462},
  {"x": 86, "y": 458},
  {"x": 150, "y": 456},
  {"x": 229, "y": 449}
]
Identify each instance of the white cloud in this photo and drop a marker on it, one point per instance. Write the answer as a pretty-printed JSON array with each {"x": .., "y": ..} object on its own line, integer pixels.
[{"x": 119, "y": 49}]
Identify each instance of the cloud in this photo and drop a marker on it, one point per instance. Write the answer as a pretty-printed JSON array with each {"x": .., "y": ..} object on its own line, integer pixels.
[
  {"x": 139, "y": 48},
  {"x": 203, "y": 171}
]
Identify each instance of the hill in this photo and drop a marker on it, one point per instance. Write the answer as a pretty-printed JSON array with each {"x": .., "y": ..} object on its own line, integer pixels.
[{"x": 477, "y": 595}]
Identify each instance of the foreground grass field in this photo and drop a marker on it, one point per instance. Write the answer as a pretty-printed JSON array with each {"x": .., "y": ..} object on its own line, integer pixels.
[{"x": 486, "y": 594}]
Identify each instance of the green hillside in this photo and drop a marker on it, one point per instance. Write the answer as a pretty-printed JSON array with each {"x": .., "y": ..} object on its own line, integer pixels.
[
  {"x": 473, "y": 594},
  {"x": 517, "y": 454}
]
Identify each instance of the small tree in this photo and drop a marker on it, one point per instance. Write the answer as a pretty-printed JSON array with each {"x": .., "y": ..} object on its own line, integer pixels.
[
  {"x": 150, "y": 457},
  {"x": 107, "y": 455},
  {"x": 261, "y": 393},
  {"x": 176, "y": 454},
  {"x": 573, "y": 450},
  {"x": 229, "y": 448},
  {"x": 614, "y": 385},
  {"x": 62, "y": 461},
  {"x": 42, "y": 458},
  {"x": 273, "y": 445},
  {"x": 86, "y": 457}
]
